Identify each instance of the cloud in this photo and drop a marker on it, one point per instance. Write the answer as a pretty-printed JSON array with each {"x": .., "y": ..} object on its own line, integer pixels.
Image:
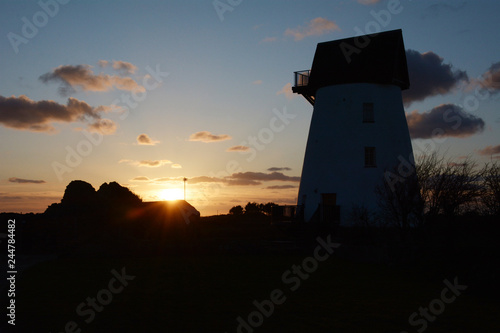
[
  {"x": 429, "y": 76},
  {"x": 279, "y": 169},
  {"x": 140, "y": 179},
  {"x": 445, "y": 120},
  {"x": 144, "y": 139},
  {"x": 257, "y": 82},
  {"x": 489, "y": 150},
  {"x": 124, "y": 67},
  {"x": 368, "y": 2},
  {"x": 153, "y": 163},
  {"x": 103, "y": 63},
  {"x": 204, "y": 179},
  {"x": 287, "y": 91},
  {"x": 22, "y": 113},
  {"x": 80, "y": 77},
  {"x": 268, "y": 40},
  {"x": 491, "y": 78},
  {"x": 315, "y": 27},
  {"x": 241, "y": 182},
  {"x": 25, "y": 181},
  {"x": 435, "y": 10},
  {"x": 206, "y": 137},
  {"x": 260, "y": 176},
  {"x": 280, "y": 187},
  {"x": 103, "y": 126},
  {"x": 146, "y": 163},
  {"x": 176, "y": 166},
  {"x": 238, "y": 148},
  {"x": 236, "y": 179}
]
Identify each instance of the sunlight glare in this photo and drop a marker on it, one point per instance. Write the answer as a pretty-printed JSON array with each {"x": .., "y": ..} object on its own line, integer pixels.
[{"x": 169, "y": 194}]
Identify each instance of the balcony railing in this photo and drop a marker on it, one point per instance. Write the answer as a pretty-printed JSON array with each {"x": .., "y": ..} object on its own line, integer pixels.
[{"x": 302, "y": 78}]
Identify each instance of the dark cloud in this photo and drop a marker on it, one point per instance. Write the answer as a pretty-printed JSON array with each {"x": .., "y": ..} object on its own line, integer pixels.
[
  {"x": 260, "y": 176},
  {"x": 489, "y": 150},
  {"x": 429, "y": 76},
  {"x": 25, "y": 114},
  {"x": 445, "y": 120},
  {"x": 81, "y": 77},
  {"x": 205, "y": 136},
  {"x": 280, "y": 187},
  {"x": 279, "y": 169},
  {"x": 26, "y": 181},
  {"x": 144, "y": 139}
]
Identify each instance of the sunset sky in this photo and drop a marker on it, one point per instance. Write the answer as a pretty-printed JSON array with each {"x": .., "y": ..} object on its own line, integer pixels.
[{"x": 146, "y": 93}]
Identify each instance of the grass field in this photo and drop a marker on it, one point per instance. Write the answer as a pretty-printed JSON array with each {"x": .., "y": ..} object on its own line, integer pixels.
[{"x": 207, "y": 293}]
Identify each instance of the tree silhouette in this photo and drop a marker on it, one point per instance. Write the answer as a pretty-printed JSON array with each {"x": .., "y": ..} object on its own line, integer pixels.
[
  {"x": 236, "y": 210},
  {"x": 78, "y": 192},
  {"x": 252, "y": 208}
]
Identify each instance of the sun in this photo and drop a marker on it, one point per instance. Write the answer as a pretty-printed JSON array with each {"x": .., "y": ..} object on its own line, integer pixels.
[{"x": 169, "y": 194}]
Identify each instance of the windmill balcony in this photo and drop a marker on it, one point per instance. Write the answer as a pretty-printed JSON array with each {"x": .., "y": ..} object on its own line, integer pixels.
[
  {"x": 302, "y": 78},
  {"x": 302, "y": 86}
]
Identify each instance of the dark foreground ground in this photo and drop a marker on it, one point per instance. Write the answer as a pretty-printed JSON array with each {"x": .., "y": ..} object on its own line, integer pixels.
[
  {"x": 226, "y": 284},
  {"x": 208, "y": 293}
]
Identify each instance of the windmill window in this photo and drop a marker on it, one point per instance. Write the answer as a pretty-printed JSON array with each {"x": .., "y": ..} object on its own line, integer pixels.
[
  {"x": 368, "y": 114},
  {"x": 370, "y": 157}
]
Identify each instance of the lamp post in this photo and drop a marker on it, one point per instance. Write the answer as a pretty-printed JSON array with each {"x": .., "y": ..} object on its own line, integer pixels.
[{"x": 185, "y": 180}]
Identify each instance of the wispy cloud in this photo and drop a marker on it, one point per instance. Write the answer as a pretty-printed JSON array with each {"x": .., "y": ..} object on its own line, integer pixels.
[
  {"x": 489, "y": 150},
  {"x": 261, "y": 176},
  {"x": 238, "y": 149},
  {"x": 103, "y": 126},
  {"x": 445, "y": 120},
  {"x": 236, "y": 179},
  {"x": 268, "y": 40},
  {"x": 81, "y": 77},
  {"x": 368, "y": 2},
  {"x": 279, "y": 169},
  {"x": 124, "y": 67},
  {"x": 22, "y": 113},
  {"x": 490, "y": 79},
  {"x": 205, "y": 136},
  {"x": 176, "y": 166},
  {"x": 287, "y": 91},
  {"x": 140, "y": 179},
  {"x": 25, "y": 181},
  {"x": 144, "y": 139},
  {"x": 430, "y": 76},
  {"x": 315, "y": 27},
  {"x": 257, "y": 82},
  {"x": 147, "y": 163},
  {"x": 280, "y": 187}
]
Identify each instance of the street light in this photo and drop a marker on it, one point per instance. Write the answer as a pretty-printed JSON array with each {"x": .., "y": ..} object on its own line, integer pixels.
[{"x": 185, "y": 180}]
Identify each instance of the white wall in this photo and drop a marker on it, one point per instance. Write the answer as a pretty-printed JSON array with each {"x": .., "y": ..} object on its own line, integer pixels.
[{"x": 334, "y": 159}]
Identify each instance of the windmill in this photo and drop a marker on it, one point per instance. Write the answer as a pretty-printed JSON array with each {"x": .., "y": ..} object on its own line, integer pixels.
[{"x": 358, "y": 128}]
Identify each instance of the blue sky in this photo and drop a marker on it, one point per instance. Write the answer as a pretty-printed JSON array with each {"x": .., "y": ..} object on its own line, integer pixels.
[{"x": 225, "y": 69}]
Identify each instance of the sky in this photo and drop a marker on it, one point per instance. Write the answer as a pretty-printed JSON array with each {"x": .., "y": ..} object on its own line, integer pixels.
[{"x": 147, "y": 93}]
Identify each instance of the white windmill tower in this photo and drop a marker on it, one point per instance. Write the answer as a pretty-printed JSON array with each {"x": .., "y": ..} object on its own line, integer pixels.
[{"x": 358, "y": 128}]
